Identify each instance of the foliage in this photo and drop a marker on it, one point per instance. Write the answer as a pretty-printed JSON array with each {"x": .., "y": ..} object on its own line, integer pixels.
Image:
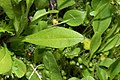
[{"x": 59, "y": 39}]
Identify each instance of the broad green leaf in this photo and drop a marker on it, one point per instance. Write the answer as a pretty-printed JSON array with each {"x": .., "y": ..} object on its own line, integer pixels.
[
  {"x": 86, "y": 72},
  {"x": 95, "y": 3},
  {"x": 110, "y": 43},
  {"x": 7, "y": 7},
  {"x": 5, "y": 60},
  {"x": 40, "y": 4},
  {"x": 41, "y": 13},
  {"x": 102, "y": 74},
  {"x": 56, "y": 37},
  {"x": 88, "y": 78},
  {"x": 106, "y": 62},
  {"x": 95, "y": 43},
  {"x": 114, "y": 69},
  {"x": 61, "y": 4},
  {"x": 102, "y": 16},
  {"x": 74, "y": 78},
  {"x": 74, "y": 17},
  {"x": 19, "y": 68},
  {"x": 51, "y": 70}
]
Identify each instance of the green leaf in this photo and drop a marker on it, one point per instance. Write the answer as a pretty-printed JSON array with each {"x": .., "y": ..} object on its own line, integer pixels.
[
  {"x": 19, "y": 68},
  {"x": 61, "y": 4},
  {"x": 107, "y": 62},
  {"x": 88, "y": 78},
  {"x": 56, "y": 37},
  {"x": 95, "y": 3},
  {"x": 5, "y": 60},
  {"x": 102, "y": 16},
  {"x": 95, "y": 43},
  {"x": 102, "y": 74},
  {"x": 51, "y": 70},
  {"x": 110, "y": 43},
  {"x": 7, "y": 7},
  {"x": 29, "y": 4},
  {"x": 114, "y": 69},
  {"x": 41, "y": 13},
  {"x": 74, "y": 17},
  {"x": 74, "y": 78},
  {"x": 40, "y": 4}
]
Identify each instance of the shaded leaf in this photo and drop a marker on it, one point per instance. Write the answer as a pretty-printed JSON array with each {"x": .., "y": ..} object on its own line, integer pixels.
[
  {"x": 102, "y": 74},
  {"x": 95, "y": 43},
  {"x": 74, "y": 78},
  {"x": 51, "y": 70},
  {"x": 114, "y": 69},
  {"x": 7, "y": 7},
  {"x": 56, "y": 37},
  {"x": 74, "y": 17},
  {"x": 61, "y": 4}
]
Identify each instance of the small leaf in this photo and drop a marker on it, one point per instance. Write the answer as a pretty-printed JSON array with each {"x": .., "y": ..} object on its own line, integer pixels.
[
  {"x": 88, "y": 78},
  {"x": 110, "y": 43},
  {"x": 41, "y": 13},
  {"x": 74, "y": 17},
  {"x": 95, "y": 43},
  {"x": 51, "y": 70},
  {"x": 61, "y": 4},
  {"x": 19, "y": 68},
  {"x": 102, "y": 74},
  {"x": 74, "y": 78},
  {"x": 5, "y": 60},
  {"x": 56, "y": 37},
  {"x": 106, "y": 62},
  {"x": 114, "y": 69}
]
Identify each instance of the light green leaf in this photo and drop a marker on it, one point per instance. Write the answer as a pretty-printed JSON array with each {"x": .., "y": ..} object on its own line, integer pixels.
[
  {"x": 88, "y": 78},
  {"x": 5, "y": 60},
  {"x": 56, "y": 37},
  {"x": 95, "y": 43},
  {"x": 7, "y": 7},
  {"x": 74, "y": 78},
  {"x": 107, "y": 62},
  {"x": 19, "y": 68},
  {"x": 29, "y": 4},
  {"x": 61, "y": 4},
  {"x": 74, "y": 17},
  {"x": 41, "y": 13},
  {"x": 114, "y": 69},
  {"x": 102, "y": 74},
  {"x": 51, "y": 70}
]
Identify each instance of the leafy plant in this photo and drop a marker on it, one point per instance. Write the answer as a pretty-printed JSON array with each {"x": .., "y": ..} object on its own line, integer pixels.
[{"x": 59, "y": 39}]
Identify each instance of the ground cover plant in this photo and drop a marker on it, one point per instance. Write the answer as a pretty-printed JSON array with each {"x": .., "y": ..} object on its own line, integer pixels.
[{"x": 59, "y": 39}]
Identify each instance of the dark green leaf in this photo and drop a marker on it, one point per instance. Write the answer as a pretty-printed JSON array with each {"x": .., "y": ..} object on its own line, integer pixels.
[
  {"x": 51, "y": 70},
  {"x": 95, "y": 43},
  {"x": 61, "y": 4}
]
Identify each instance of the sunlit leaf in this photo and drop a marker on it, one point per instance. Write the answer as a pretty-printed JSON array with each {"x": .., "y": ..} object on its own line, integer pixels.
[
  {"x": 74, "y": 17},
  {"x": 19, "y": 68},
  {"x": 5, "y": 60},
  {"x": 56, "y": 37}
]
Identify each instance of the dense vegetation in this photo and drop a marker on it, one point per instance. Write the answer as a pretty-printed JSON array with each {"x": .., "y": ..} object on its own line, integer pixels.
[{"x": 59, "y": 39}]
